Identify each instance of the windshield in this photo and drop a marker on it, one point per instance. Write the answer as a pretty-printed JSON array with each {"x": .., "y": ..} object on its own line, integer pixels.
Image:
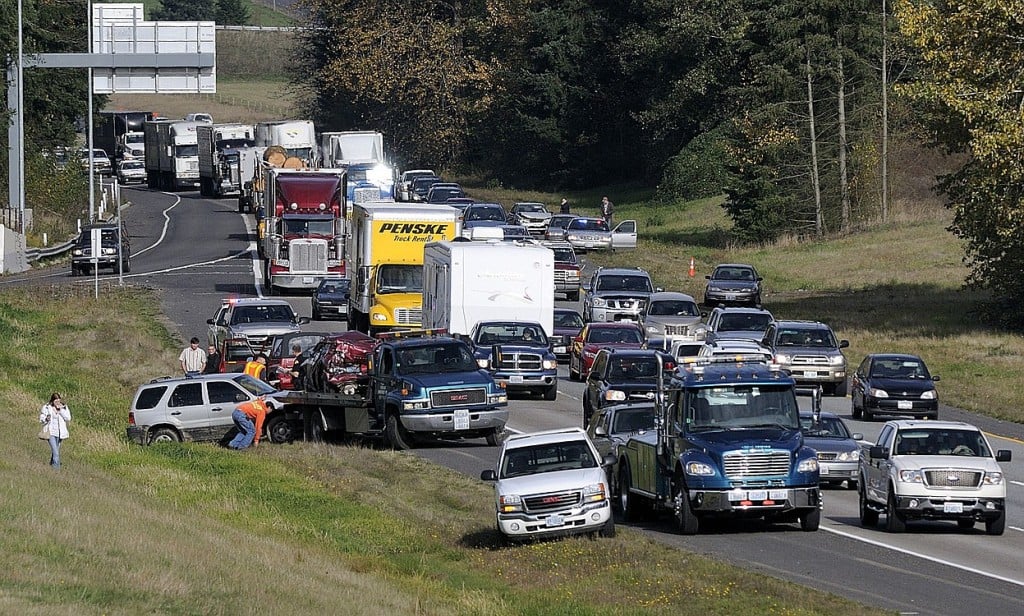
[
  {"x": 547, "y": 458},
  {"x": 400, "y": 279},
  {"x": 131, "y": 165},
  {"x": 183, "y": 151},
  {"x": 485, "y": 213},
  {"x": 511, "y": 333},
  {"x": 733, "y": 273},
  {"x": 285, "y": 345},
  {"x": 821, "y": 338},
  {"x": 568, "y": 319},
  {"x": 587, "y": 224},
  {"x": 303, "y": 153},
  {"x": 634, "y": 368},
  {"x": 745, "y": 322},
  {"x": 449, "y": 357},
  {"x": 674, "y": 308},
  {"x": 827, "y": 427},
  {"x": 531, "y": 207},
  {"x": 262, "y": 314},
  {"x": 625, "y": 283},
  {"x": 339, "y": 286},
  {"x": 898, "y": 368},
  {"x": 306, "y": 227},
  {"x": 633, "y": 420},
  {"x": 134, "y": 138},
  {"x": 741, "y": 406},
  {"x": 235, "y": 143},
  {"x": 253, "y": 386},
  {"x": 564, "y": 255},
  {"x": 941, "y": 442}
]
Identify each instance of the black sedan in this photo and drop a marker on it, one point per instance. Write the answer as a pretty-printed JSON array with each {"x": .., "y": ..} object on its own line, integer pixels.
[
  {"x": 331, "y": 298},
  {"x": 894, "y": 384},
  {"x": 838, "y": 449},
  {"x": 622, "y": 375}
]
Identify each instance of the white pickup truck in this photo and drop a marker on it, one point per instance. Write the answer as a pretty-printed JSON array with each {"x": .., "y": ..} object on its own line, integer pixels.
[{"x": 932, "y": 470}]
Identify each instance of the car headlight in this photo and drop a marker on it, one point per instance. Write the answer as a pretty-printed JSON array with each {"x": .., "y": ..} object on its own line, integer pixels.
[
  {"x": 380, "y": 316},
  {"x": 702, "y": 469},
  {"x": 993, "y": 478},
  {"x": 782, "y": 358},
  {"x": 550, "y": 364},
  {"x": 594, "y": 493},
  {"x": 874, "y": 392},
  {"x": 599, "y": 302},
  {"x": 510, "y": 503},
  {"x": 77, "y": 252},
  {"x": 652, "y": 329},
  {"x": 913, "y": 476},
  {"x": 928, "y": 395},
  {"x": 483, "y": 363},
  {"x": 837, "y": 360},
  {"x": 848, "y": 456},
  {"x": 808, "y": 465},
  {"x": 614, "y": 395},
  {"x": 110, "y": 251}
]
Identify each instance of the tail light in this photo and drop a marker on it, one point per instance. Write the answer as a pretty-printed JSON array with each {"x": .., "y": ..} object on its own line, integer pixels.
[{"x": 131, "y": 419}]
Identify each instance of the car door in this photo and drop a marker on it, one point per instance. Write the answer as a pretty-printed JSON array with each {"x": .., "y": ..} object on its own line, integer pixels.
[
  {"x": 624, "y": 235},
  {"x": 217, "y": 328},
  {"x": 224, "y": 397},
  {"x": 187, "y": 410},
  {"x": 876, "y": 483},
  {"x": 595, "y": 380}
]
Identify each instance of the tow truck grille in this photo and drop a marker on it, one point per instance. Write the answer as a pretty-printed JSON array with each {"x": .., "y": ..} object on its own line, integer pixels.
[
  {"x": 519, "y": 361},
  {"x": 408, "y": 316},
  {"x": 756, "y": 464},
  {"x": 552, "y": 502},
  {"x": 457, "y": 397},
  {"x": 953, "y": 478},
  {"x": 308, "y": 257}
]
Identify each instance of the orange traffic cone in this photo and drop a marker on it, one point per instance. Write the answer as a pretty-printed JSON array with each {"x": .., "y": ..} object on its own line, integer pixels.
[{"x": 693, "y": 267}]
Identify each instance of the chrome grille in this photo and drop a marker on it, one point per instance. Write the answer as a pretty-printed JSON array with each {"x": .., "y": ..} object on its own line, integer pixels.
[
  {"x": 457, "y": 397},
  {"x": 560, "y": 275},
  {"x": 827, "y": 456},
  {"x": 362, "y": 195},
  {"x": 408, "y": 316},
  {"x": 756, "y": 463},
  {"x": 519, "y": 361},
  {"x": 953, "y": 478},
  {"x": 810, "y": 360},
  {"x": 306, "y": 256},
  {"x": 540, "y": 503},
  {"x": 677, "y": 330}
]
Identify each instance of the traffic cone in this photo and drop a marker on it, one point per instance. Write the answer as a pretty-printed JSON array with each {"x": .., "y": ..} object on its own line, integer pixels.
[{"x": 693, "y": 267}]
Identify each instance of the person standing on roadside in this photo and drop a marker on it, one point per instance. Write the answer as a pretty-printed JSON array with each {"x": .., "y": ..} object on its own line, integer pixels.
[
  {"x": 607, "y": 210},
  {"x": 212, "y": 360},
  {"x": 193, "y": 359},
  {"x": 55, "y": 416},
  {"x": 564, "y": 207},
  {"x": 248, "y": 418}
]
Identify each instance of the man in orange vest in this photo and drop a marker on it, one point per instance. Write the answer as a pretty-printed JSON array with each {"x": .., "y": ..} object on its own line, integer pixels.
[
  {"x": 248, "y": 418},
  {"x": 256, "y": 367}
]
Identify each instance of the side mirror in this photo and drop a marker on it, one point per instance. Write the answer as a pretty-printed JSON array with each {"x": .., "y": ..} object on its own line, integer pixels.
[
  {"x": 1003, "y": 455},
  {"x": 857, "y": 436},
  {"x": 600, "y": 431},
  {"x": 760, "y": 278},
  {"x": 658, "y": 289},
  {"x": 489, "y": 475},
  {"x": 876, "y": 452},
  {"x": 210, "y": 321},
  {"x": 707, "y": 277},
  {"x": 843, "y": 344},
  {"x": 609, "y": 460},
  {"x": 303, "y": 320},
  {"x": 935, "y": 377}
]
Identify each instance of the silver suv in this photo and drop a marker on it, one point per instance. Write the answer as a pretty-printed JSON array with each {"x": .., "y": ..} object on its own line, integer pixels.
[
  {"x": 256, "y": 319},
  {"x": 617, "y": 294},
  {"x": 810, "y": 352},
  {"x": 671, "y": 316},
  {"x": 550, "y": 484},
  {"x": 195, "y": 409}
]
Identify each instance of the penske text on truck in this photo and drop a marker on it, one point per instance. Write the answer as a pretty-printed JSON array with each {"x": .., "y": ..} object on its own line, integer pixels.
[{"x": 385, "y": 261}]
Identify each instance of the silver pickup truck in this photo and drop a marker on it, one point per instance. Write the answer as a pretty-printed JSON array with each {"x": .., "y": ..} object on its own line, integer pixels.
[{"x": 932, "y": 470}]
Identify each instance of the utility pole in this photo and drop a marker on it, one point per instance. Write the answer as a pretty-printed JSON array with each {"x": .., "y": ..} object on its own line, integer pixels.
[{"x": 885, "y": 112}]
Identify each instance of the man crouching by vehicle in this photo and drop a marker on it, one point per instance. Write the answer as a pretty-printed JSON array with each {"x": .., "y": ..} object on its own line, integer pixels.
[{"x": 248, "y": 418}]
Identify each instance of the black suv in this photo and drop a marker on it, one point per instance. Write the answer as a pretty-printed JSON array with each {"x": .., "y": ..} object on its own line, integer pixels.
[
  {"x": 623, "y": 375},
  {"x": 81, "y": 255},
  {"x": 733, "y": 284}
]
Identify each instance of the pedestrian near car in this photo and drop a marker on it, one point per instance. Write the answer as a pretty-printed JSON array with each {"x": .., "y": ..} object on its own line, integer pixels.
[
  {"x": 298, "y": 367},
  {"x": 257, "y": 367},
  {"x": 249, "y": 418},
  {"x": 212, "y": 360},
  {"x": 607, "y": 210},
  {"x": 55, "y": 416},
  {"x": 193, "y": 359},
  {"x": 564, "y": 207}
]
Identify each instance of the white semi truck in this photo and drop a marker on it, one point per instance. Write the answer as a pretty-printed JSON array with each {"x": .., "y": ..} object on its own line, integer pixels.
[
  {"x": 172, "y": 154},
  {"x": 361, "y": 154},
  {"x": 219, "y": 159},
  {"x": 297, "y": 137}
]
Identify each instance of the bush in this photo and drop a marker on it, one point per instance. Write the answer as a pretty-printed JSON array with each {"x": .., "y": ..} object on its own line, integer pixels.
[{"x": 697, "y": 171}]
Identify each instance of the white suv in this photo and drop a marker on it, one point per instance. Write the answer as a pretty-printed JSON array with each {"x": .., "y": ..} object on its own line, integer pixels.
[{"x": 551, "y": 483}]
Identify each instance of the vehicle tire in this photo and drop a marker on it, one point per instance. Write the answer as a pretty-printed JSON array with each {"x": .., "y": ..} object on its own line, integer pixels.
[
  {"x": 317, "y": 316},
  {"x": 280, "y": 430},
  {"x": 573, "y": 375},
  {"x": 241, "y": 206},
  {"x": 854, "y": 411},
  {"x": 996, "y": 526},
  {"x": 868, "y": 516},
  {"x": 686, "y": 520},
  {"x": 934, "y": 416},
  {"x": 851, "y": 484},
  {"x": 164, "y": 435},
  {"x": 573, "y": 297},
  {"x": 868, "y": 415},
  {"x": 839, "y": 389},
  {"x": 810, "y": 521},
  {"x": 397, "y": 437},
  {"x": 127, "y": 266},
  {"x": 74, "y": 270},
  {"x": 551, "y": 393},
  {"x": 893, "y": 522},
  {"x": 588, "y": 410},
  {"x": 965, "y": 523},
  {"x": 496, "y": 437},
  {"x": 630, "y": 504},
  {"x": 608, "y": 530}
]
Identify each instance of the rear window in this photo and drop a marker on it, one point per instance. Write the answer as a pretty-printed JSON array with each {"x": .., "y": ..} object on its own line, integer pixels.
[{"x": 150, "y": 397}]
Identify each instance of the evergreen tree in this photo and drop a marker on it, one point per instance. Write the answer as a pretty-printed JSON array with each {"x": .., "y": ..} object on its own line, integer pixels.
[
  {"x": 185, "y": 10},
  {"x": 232, "y": 12}
]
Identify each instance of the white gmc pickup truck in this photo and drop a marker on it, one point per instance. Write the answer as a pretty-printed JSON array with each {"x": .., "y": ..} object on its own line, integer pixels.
[{"x": 932, "y": 470}]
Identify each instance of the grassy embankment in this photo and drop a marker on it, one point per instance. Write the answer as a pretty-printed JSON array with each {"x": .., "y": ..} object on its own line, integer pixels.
[{"x": 292, "y": 529}]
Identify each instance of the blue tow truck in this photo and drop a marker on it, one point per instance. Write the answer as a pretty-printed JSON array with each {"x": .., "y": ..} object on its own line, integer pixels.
[{"x": 727, "y": 444}]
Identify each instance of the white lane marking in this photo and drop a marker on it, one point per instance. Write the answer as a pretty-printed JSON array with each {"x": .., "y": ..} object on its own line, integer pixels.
[
  {"x": 167, "y": 222},
  {"x": 1017, "y": 483},
  {"x": 257, "y": 263},
  {"x": 924, "y": 556},
  {"x": 1017, "y": 528}
]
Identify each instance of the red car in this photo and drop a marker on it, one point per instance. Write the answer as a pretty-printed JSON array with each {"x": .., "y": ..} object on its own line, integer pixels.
[
  {"x": 597, "y": 336},
  {"x": 339, "y": 361},
  {"x": 281, "y": 358}
]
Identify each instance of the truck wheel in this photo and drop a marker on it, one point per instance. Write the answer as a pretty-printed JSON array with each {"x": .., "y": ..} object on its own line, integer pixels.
[
  {"x": 608, "y": 530},
  {"x": 398, "y": 438},
  {"x": 810, "y": 521},
  {"x": 551, "y": 393},
  {"x": 496, "y": 437},
  {"x": 686, "y": 520},
  {"x": 241, "y": 206},
  {"x": 996, "y": 526},
  {"x": 280, "y": 430},
  {"x": 164, "y": 435},
  {"x": 74, "y": 270},
  {"x": 893, "y": 522},
  {"x": 868, "y": 516},
  {"x": 868, "y": 415},
  {"x": 573, "y": 375},
  {"x": 573, "y": 297},
  {"x": 126, "y": 266},
  {"x": 630, "y": 504},
  {"x": 854, "y": 410}
]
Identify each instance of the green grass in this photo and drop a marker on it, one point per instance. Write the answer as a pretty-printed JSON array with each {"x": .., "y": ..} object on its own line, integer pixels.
[{"x": 297, "y": 529}]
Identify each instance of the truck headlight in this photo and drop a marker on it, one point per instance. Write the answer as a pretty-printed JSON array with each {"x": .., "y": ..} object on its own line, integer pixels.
[
  {"x": 549, "y": 364},
  {"x": 874, "y": 392},
  {"x": 378, "y": 316},
  {"x": 77, "y": 252},
  {"x": 808, "y": 465},
  {"x": 837, "y": 360},
  {"x": 594, "y": 493},
  {"x": 848, "y": 456},
  {"x": 572, "y": 276},
  {"x": 699, "y": 468},
  {"x": 928, "y": 395},
  {"x": 483, "y": 363},
  {"x": 782, "y": 358},
  {"x": 599, "y": 303},
  {"x": 992, "y": 478},
  {"x": 110, "y": 251},
  {"x": 510, "y": 503},
  {"x": 652, "y": 329},
  {"x": 913, "y": 476},
  {"x": 614, "y": 395}
]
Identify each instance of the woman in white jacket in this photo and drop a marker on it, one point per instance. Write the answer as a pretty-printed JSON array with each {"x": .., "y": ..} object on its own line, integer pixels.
[{"x": 55, "y": 416}]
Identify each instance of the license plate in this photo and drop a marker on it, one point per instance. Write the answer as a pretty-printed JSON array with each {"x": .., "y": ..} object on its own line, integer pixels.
[
  {"x": 737, "y": 495},
  {"x": 904, "y": 404},
  {"x": 554, "y": 520},
  {"x": 515, "y": 378},
  {"x": 759, "y": 495},
  {"x": 559, "y": 350},
  {"x": 952, "y": 507},
  {"x": 730, "y": 296},
  {"x": 810, "y": 374},
  {"x": 462, "y": 419},
  {"x": 823, "y": 470},
  {"x": 307, "y": 280},
  {"x": 778, "y": 495}
]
